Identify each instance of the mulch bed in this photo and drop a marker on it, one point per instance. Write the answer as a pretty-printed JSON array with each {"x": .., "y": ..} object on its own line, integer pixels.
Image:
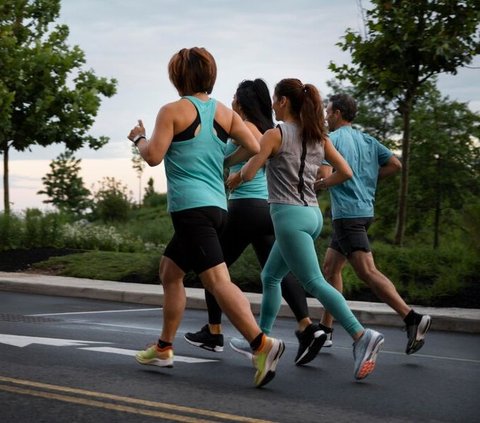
[{"x": 20, "y": 260}]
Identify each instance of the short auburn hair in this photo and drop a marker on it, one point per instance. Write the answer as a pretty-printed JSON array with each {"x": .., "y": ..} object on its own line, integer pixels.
[{"x": 192, "y": 70}]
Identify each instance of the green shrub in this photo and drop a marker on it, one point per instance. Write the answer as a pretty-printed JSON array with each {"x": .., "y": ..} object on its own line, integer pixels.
[
  {"x": 11, "y": 230},
  {"x": 112, "y": 202},
  {"x": 34, "y": 229},
  {"x": 155, "y": 199},
  {"x": 424, "y": 275}
]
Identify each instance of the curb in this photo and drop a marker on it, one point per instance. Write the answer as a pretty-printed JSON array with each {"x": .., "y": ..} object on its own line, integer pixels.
[{"x": 447, "y": 319}]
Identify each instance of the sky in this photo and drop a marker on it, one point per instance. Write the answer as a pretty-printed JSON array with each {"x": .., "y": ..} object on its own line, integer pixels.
[{"x": 132, "y": 41}]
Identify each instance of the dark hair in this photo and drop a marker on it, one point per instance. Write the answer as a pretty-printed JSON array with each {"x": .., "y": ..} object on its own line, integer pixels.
[
  {"x": 254, "y": 99},
  {"x": 192, "y": 70},
  {"x": 306, "y": 107},
  {"x": 346, "y": 104}
]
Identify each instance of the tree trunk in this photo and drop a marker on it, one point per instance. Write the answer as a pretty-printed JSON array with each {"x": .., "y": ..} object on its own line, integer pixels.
[
  {"x": 403, "y": 194},
  {"x": 438, "y": 202},
  {"x": 6, "y": 194}
]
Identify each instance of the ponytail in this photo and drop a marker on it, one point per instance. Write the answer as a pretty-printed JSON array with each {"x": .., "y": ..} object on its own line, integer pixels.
[
  {"x": 306, "y": 106},
  {"x": 312, "y": 119}
]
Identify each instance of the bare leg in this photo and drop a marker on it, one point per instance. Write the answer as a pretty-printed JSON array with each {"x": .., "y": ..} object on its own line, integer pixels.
[
  {"x": 364, "y": 266},
  {"x": 332, "y": 268},
  {"x": 174, "y": 298},
  {"x": 231, "y": 299}
]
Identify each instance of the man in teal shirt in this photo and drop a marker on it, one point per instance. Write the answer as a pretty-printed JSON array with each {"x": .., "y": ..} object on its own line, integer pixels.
[{"x": 352, "y": 204}]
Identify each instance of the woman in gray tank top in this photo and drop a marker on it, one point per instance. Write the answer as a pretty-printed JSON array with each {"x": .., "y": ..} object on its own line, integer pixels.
[{"x": 293, "y": 153}]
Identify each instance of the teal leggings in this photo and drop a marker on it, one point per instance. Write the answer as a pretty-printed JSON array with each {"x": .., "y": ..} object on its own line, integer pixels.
[{"x": 296, "y": 228}]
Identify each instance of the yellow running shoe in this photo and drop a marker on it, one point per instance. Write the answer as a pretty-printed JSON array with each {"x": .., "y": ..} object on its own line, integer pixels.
[
  {"x": 265, "y": 360},
  {"x": 154, "y": 356}
]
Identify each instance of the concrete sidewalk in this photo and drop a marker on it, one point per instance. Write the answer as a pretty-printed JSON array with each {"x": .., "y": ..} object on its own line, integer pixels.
[{"x": 449, "y": 319}]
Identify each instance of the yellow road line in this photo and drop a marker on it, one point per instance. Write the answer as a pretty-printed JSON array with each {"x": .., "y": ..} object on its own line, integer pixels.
[
  {"x": 135, "y": 401},
  {"x": 98, "y": 404}
]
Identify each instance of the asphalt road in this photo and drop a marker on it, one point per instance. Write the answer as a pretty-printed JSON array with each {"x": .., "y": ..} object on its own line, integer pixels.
[{"x": 70, "y": 360}]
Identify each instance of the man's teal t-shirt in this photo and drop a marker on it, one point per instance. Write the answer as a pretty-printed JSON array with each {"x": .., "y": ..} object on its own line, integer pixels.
[{"x": 356, "y": 197}]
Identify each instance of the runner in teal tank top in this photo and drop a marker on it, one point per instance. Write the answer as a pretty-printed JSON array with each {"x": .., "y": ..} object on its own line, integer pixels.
[{"x": 190, "y": 134}]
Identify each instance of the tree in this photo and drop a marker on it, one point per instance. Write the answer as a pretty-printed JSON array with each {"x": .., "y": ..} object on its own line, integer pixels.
[
  {"x": 406, "y": 43},
  {"x": 445, "y": 157},
  {"x": 64, "y": 186},
  {"x": 112, "y": 201},
  {"x": 139, "y": 166},
  {"x": 45, "y": 95}
]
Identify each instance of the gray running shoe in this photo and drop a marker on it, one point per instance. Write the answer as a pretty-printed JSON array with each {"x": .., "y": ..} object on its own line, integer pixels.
[
  {"x": 365, "y": 352},
  {"x": 416, "y": 333}
]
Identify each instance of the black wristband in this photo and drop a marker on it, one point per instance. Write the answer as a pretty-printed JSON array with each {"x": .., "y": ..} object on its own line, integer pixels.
[{"x": 137, "y": 139}]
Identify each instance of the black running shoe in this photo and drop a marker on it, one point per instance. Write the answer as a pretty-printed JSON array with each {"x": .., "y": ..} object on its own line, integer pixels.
[
  {"x": 416, "y": 333},
  {"x": 204, "y": 339},
  {"x": 309, "y": 343}
]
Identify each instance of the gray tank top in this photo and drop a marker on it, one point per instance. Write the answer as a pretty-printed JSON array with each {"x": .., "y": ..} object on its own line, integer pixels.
[{"x": 291, "y": 173}]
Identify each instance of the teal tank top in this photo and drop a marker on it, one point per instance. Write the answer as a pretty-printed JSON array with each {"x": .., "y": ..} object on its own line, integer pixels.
[
  {"x": 256, "y": 188},
  {"x": 194, "y": 168}
]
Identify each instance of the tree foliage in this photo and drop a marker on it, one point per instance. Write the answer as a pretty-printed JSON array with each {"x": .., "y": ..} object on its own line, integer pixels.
[
  {"x": 406, "y": 43},
  {"x": 46, "y": 96},
  {"x": 112, "y": 201},
  {"x": 445, "y": 160},
  {"x": 63, "y": 185}
]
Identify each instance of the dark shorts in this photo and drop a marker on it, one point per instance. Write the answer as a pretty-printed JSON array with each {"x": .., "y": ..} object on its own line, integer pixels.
[
  {"x": 195, "y": 244},
  {"x": 350, "y": 235}
]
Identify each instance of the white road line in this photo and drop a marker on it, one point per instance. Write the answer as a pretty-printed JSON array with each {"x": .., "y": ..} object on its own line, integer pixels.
[
  {"x": 128, "y": 310},
  {"x": 419, "y": 355},
  {"x": 122, "y": 351}
]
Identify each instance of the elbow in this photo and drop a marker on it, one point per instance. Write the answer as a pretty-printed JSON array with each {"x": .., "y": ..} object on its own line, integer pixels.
[
  {"x": 348, "y": 174},
  {"x": 255, "y": 149},
  {"x": 152, "y": 163}
]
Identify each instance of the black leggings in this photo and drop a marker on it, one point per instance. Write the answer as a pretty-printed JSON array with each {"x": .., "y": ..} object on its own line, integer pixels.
[{"x": 249, "y": 222}]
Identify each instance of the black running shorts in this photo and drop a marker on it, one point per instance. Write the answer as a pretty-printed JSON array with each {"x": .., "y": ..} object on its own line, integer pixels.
[{"x": 195, "y": 244}]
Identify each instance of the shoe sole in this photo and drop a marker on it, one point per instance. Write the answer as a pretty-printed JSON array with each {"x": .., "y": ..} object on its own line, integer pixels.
[
  {"x": 271, "y": 372},
  {"x": 246, "y": 354},
  {"x": 313, "y": 349},
  {"x": 419, "y": 340},
  {"x": 368, "y": 365},
  {"x": 216, "y": 348},
  {"x": 155, "y": 362}
]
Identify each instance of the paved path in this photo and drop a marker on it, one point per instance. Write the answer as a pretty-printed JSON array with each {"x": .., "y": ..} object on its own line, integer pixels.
[{"x": 448, "y": 319}]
